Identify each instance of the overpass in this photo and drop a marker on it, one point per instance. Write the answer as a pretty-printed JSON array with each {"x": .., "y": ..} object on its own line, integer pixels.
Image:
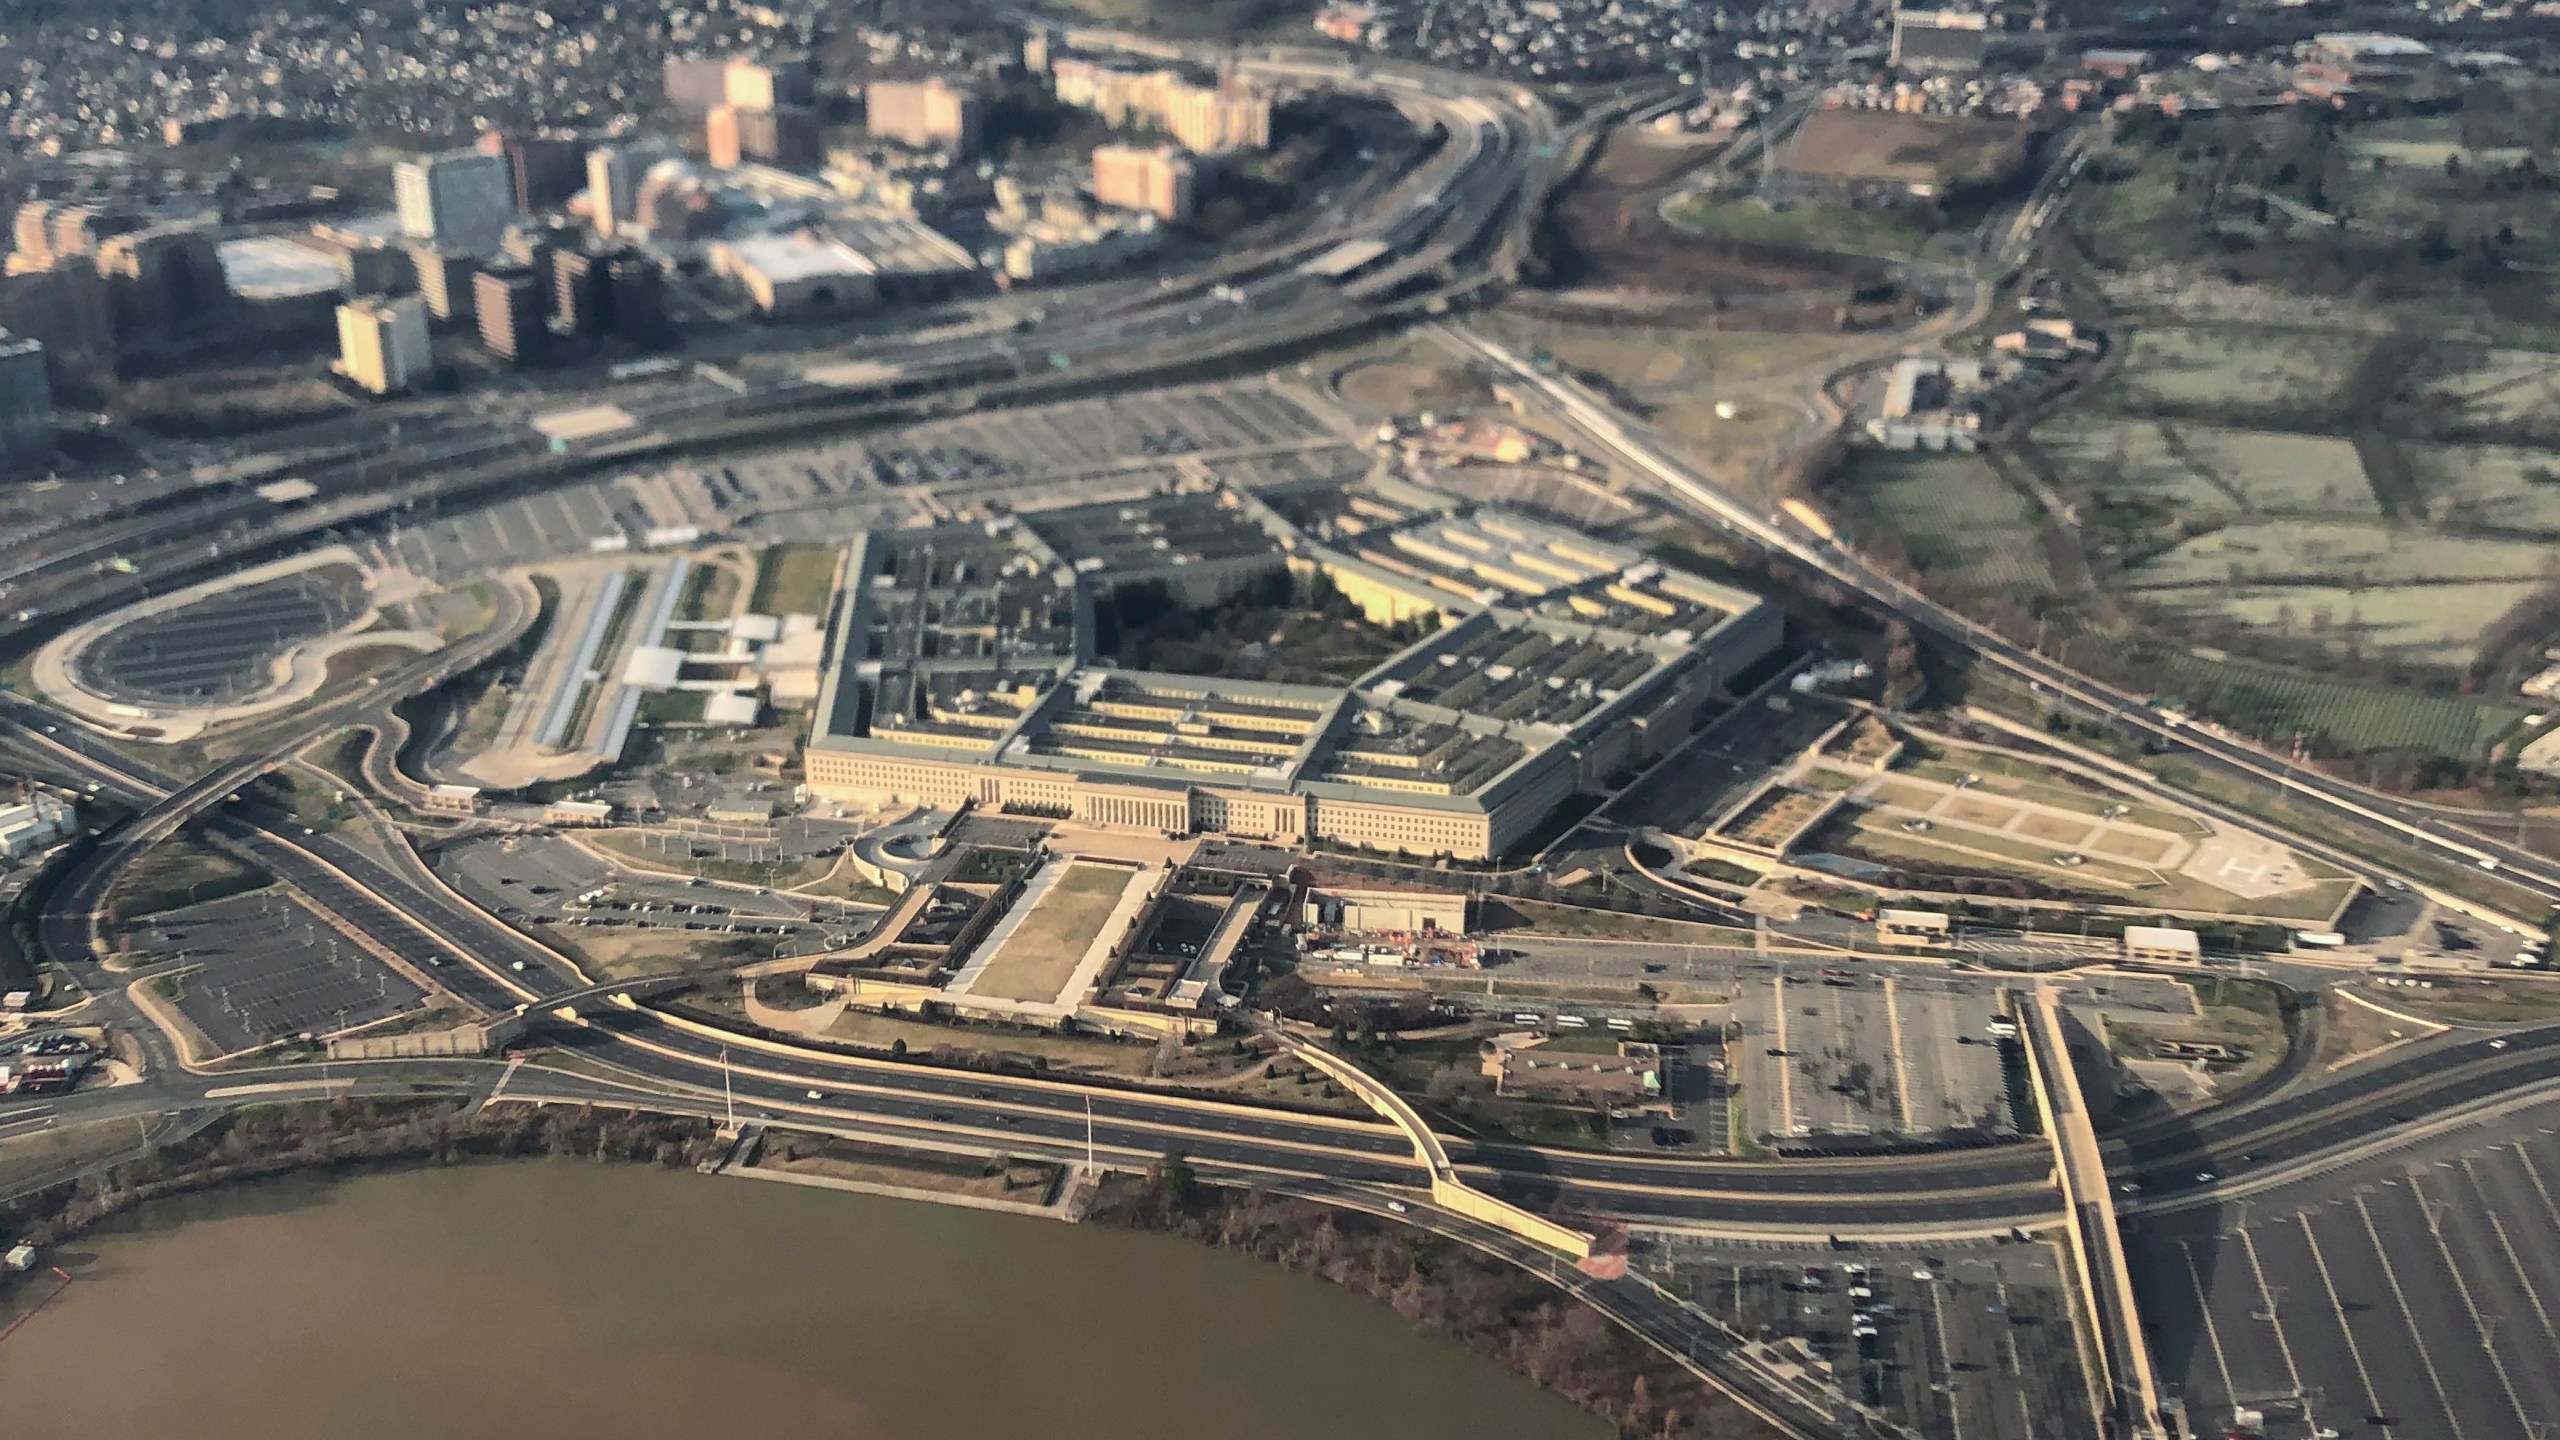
[
  {"x": 1447, "y": 1190},
  {"x": 2124, "y": 1385}
]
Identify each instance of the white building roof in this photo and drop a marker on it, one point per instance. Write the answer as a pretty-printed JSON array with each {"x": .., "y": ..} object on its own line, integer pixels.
[
  {"x": 730, "y": 708},
  {"x": 784, "y": 259},
  {"x": 271, "y": 267},
  {"x": 652, "y": 667}
]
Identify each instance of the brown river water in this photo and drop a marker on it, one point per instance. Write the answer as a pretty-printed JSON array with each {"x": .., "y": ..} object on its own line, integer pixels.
[{"x": 568, "y": 1300}]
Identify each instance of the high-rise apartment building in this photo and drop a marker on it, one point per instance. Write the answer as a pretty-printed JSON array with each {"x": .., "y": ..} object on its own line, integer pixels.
[
  {"x": 507, "y": 300},
  {"x": 462, "y": 199},
  {"x": 613, "y": 185},
  {"x": 383, "y": 344},
  {"x": 930, "y": 114},
  {"x": 26, "y": 406},
  {"x": 1158, "y": 179}
]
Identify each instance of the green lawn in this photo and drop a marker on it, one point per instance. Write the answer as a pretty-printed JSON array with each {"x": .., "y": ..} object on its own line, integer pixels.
[
  {"x": 794, "y": 580},
  {"x": 1802, "y": 226}
]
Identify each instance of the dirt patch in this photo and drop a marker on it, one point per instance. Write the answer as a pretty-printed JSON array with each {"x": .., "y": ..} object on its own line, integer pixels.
[
  {"x": 1907, "y": 797},
  {"x": 1906, "y": 149},
  {"x": 1967, "y": 811},
  {"x": 2140, "y": 848},
  {"x": 1400, "y": 387},
  {"x": 2059, "y": 829}
]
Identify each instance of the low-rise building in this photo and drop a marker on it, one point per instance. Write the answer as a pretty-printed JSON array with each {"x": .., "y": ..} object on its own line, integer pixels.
[
  {"x": 798, "y": 273},
  {"x": 2162, "y": 945},
  {"x": 35, "y": 823}
]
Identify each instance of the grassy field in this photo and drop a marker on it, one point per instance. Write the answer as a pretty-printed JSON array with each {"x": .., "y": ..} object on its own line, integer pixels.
[
  {"x": 1835, "y": 228},
  {"x": 2214, "y": 370},
  {"x": 2503, "y": 487},
  {"x": 178, "y": 873},
  {"x": 1043, "y": 949},
  {"x": 1958, "y": 521},
  {"x": 794, "y": 580},
  {"x": 2268, "y": 702},
  {"x": 709, "y": 593},
  {"x": 30, "y": 1157}
]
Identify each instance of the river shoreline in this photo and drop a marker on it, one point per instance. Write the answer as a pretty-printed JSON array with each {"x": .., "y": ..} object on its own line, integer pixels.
[{"x": 1442, "y": 1288}]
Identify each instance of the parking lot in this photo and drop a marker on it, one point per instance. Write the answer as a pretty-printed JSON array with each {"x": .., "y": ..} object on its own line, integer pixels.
[
  {"x": 534, "y": 881},
  {"x": 263, "y": 967},
  {"x": 1255, "y": 433},
  {"x": 1857, "y": 1055},
  {"x": 2411, "y": 1294},
  {"x": 1968, "y": 1342},
  {"x": 220, "y": 648}
]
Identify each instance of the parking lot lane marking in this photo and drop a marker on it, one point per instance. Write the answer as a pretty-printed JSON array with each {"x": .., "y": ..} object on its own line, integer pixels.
[
  {"x": 2417, "y": 1337},
  {"x": 2212, "y": 1332},
  {"x": 2471, "y": 1306},
  {"x": 2533, "y": 1172},
  {"x": 1946, "y": 1361},
  {"x": 2284, "y": 1346},
  {"x": 1901, "y": 1067},
  {"x": 1786, "y": 1059},
  {"x": 2524, "y": 1277}
]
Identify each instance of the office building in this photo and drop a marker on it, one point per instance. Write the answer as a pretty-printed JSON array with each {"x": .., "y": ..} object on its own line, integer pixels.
[
  {"x": 613, "y": 185},
  {"x": 65, "y": 307},
  {"x": 1159, "y": 180},
  {"x": 1939, "y": 40},
  {"x": 635, "y": 298},
  {"x": 772, "y": 83},
  {"x": 543, "y": 171},
  {"x": 383, "y": 345},
  {"x": 673, "y": 206},
  {"x": 507, "y": 301},
  {"x": 695, "y": 87},
  {"x": 26, "y": 406},
  {"x": 581, "y": 297},
  {"x": 931, "y": 114},
  {"x": 444, "y": 281},
  {"x": 162, "y": 283},
  {"x": 462, "y": 199},
  {"x": 787, "y": 137}
]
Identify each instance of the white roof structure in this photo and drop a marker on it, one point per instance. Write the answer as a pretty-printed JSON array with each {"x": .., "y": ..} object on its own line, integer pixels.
[
  {"x": 730, "y": 707},
  {"x": 272, "y": 267},
  {"x": 652, "y": 667},
  {"x": 785, "y": 259}
]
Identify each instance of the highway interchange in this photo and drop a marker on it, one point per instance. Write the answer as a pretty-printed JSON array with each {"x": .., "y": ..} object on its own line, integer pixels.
[{"x": 1456, "y": 225}]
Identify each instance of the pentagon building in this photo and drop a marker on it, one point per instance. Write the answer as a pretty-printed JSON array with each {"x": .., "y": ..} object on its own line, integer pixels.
[{"x": 962, "y": 670}]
